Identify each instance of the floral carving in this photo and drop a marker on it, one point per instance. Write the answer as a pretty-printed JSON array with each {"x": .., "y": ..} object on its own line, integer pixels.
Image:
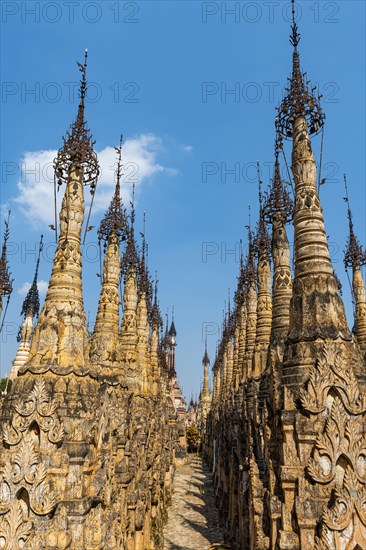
[
  {"x": 344, "y": 524},
  {"x": 330, "y": 372},
  {"x": 36, "y": 407},
  {"x": 25, "y": 471},
  {"x": 339, "y": 455},
  {"x": 14, "y": 531}
]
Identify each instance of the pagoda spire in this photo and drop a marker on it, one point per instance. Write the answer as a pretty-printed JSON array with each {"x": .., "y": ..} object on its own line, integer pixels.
[
  {"x": 112, "y": 230},
  {"x": 30, "y": 309},
  {"x": 241, "y": 319},
  {"x": 278, "y": 211},
  {"x": 128, "y": 339},
  {"x": 264, "y": 301},
  {"x": 355, "y": 258},
  {"x": 156, "y": 323},
  {"x": 251, "y": 317},
  {"x": 300, "y": 115},
  {"x": 6, "y": 282},
  {"x": 205, "y": 397},
  {"x": 143, "y": 312},
  {"x": 206, "y": 364},
  {"x": 320, "y": 357},
  {"x": 172, "y": 345},
  {"x": 60, "y": 341},
  {"x": 229, "y": 350}
]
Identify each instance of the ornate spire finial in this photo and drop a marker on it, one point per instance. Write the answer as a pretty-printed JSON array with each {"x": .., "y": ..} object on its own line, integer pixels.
[
  {"x": 6, "y": 283},
  {"x": 130, "y": 259},
  {"x": 115, "y": 217},
  {"x": 262, "y": 241},
  {"x": 250, "y": 263},
  {"x": 295, "y": 35},
  {"x": 242, "y": 281},
  {"x": 299, "y": 99},
  {"x": 277, "y": 205},
  {"x": 155, "y": 316},
  {"x": 144, "y": 281},
  {"x": 133, "y": 206},
  {"x": 31, "y": 302},
  {"x": 78, "y": 143},
  {"x": 354, "y": 254},
  {"x": 172, "y": 330}
]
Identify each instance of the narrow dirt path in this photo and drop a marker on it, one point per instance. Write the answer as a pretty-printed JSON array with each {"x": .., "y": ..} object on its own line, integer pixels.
[{"x": 193, "y": 521}]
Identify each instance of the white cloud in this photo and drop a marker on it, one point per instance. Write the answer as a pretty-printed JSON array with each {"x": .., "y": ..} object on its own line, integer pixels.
[
  {"x": 139, "y": 157},
  {"x": 187, "y": 148},
  {"x": 42, "y": 288}
]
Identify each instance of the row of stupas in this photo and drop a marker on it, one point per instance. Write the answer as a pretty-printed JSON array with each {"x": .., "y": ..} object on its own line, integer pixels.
[
  {"x": 286, "y": 432},
  {"x": 89, "y": 423}
]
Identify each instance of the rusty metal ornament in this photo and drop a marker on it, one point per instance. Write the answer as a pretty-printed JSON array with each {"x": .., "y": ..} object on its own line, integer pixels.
[
  {"x": 354, "y": 254},
  {"x": 6, "y": 282},
  {"x": 115, "y": 219},
  {"x": 78, "y": 144},
  {"x": 300, "y": 98},
  {"x": 31, "y": 303},
  {"x": 277, "y": 202}
]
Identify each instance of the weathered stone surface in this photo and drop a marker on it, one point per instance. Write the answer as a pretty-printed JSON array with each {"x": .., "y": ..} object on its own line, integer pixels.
[{"x": 193, "y": 519}]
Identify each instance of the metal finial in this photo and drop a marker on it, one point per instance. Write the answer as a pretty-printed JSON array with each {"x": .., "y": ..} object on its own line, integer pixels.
[
  {"x": 354, "y": 254},
  {"x": 262, "y": 241},
  {"x": 133, "y": 205},
  {"x": 241, "y": 289},
  {"x": 119, "y": 161},
  {"x": 259, "y": 184},
  {"x": 31, "y": 303},
  {"x": 115, "y": 219},
  {"x": 6, "y": 282},
  {"x": 143, "y": 279},
  {"x": 82, "y": 69},
  {"x": 251, "y": 257},
  {"x": 277, "y": 204},
  {"x": 206, "y": 359},
  {"x": 78, "y": 147},
  {"x": 300, "y": 99},
  {"x": 155, "y": 315},
  {"x": 295, "y": 35}
]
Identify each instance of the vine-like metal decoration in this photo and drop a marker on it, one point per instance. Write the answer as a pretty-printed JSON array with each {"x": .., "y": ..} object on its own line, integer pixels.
[
  {"x": 31, "y": 303},
  {"x": 6, "y": 282},
  {"x": 130, "y": 260},
  {"x": 250, "y": 264},
  {"x": 277, "y": 203},
  {"x": 78, "y": 143},
  {"x": 242, "y": 287},
  {"x": 262, "y": 243},
  {"x": 354, "y": 255},
  {"x": 155, "y": 315},
  {"x": 115, "y": 219},
  {"x": 300, "y": 99},
  {"x": 143, "y": 277}
]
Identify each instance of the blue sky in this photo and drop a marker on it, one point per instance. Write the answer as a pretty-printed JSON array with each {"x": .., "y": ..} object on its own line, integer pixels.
[{"x": 193, "y": 87}]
